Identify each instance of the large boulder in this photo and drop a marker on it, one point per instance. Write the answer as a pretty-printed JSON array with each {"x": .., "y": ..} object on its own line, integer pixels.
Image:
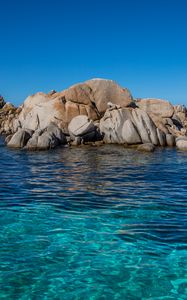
[
  {"x": 47, "y": 141},
  {"x": 159, "y": 107},
  {"x": 20, "y": 138},
  {"x": 89, "y": 98},
  {"x": 42, "y": 114},
  {"x": 81, "y": 126},
  {"x": 145, "y": 126},
  {"x": 104, "y": 91},
  {"x": 113, "y": 126},
  {"x": 48, "y": 138},
  {"x": 128, "y": 125},
  {"x": 130, "y": 133}
]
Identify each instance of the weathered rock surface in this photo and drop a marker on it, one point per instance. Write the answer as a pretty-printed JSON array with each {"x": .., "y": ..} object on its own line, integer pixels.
[
  {"x": 159, "y": 107},
  {"x": 92, "y": 111},
  {"x": 89, "y": 98},
  {"x": 47, "y": 141},
  {"x": 145, "y": 126},
  {"x": 9, "y": 119},
  {"x": 180, "y": 114},
  {"x": 49, "y": 138},
  {"x": 80, "y": 126},
  {"x": 181, "y": 143},
  {"x": 20, "y": 138},
  {"x": 111, "y": 125},
  {"x": 130, "y": 133},
  {"x": 104, "y": 91}
]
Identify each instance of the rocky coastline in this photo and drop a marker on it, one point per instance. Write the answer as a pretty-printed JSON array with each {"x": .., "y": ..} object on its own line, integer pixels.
[{"x": 95, "y": 112}]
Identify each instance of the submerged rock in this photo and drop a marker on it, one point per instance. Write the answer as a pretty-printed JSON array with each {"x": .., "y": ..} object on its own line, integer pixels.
[{"x": 147, "y": 147}]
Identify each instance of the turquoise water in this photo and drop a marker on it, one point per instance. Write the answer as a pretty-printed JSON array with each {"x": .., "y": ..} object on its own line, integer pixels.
[{"x": 93, "y": 223}]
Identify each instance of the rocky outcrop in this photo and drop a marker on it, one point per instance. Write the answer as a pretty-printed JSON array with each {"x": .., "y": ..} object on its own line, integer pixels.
[
  {"x": 129, "y": 126},
  {"x": 111, "y": 126},
  {"x": 49, "y": 138},
  {"x": 90, "y": 112},
  {"x": 89, "y": 99}
]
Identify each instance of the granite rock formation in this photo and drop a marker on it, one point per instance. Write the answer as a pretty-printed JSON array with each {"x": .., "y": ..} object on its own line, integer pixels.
[{"x": 92, "y": 111}]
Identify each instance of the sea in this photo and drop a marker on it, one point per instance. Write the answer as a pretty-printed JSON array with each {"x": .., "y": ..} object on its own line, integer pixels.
[{"x": 93, "y": 223}]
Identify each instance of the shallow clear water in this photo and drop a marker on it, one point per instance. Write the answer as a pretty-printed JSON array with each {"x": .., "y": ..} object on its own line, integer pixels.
[{"x": 93, "y": 223}]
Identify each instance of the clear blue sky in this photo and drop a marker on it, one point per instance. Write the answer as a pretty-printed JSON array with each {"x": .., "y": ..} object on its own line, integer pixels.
[{"x": 142, "y": 44}]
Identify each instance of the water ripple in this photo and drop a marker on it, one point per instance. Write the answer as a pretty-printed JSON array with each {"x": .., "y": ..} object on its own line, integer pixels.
[{"x": 93, "y": 223}]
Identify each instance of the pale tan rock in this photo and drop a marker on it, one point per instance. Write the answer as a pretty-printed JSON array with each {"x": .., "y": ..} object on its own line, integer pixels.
[
  {"x": 80, "y": 126},
  {"x": 181, "y": 143},
  {"x": 130, "y": 133},
  {"x": 111, "y": 125},
  {"x": 20, "y": 138},
  {"x": 146, "y": 127},
  {"x": 104, "y": 91},
  {"x": 159, "y": 107},
  {"x": 159, "y": 122}
]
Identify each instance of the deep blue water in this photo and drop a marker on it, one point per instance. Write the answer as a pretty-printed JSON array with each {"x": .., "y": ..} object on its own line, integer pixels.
[{"x": 93, "y": 223}]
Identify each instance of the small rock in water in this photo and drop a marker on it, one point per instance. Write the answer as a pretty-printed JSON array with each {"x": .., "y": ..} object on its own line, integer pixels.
[
  {"x": 181, "y": 143},
  {"x": 148, "y": 147}
]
